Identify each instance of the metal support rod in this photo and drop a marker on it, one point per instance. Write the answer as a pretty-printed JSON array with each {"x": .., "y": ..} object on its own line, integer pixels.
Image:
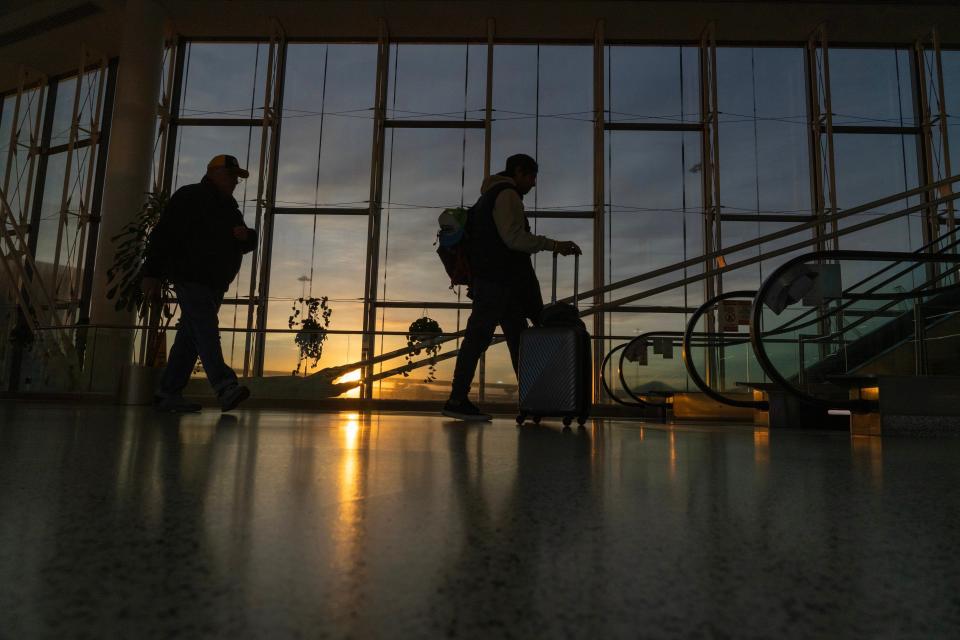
[
  {"x": 488, "y": 106},
  {"x": 710, "y": 181},
  {"x": 599, "y": 205},
  {"x": 921, "y": 84},
  {"x": 164, "y": 112},
  {"x": 170, "y": 152},
  {"x": 943, "y": 122},
  {"x": 919, "y": 339},
  {"x": 96, "y": 204},
  {"x": 376, "y": 194},
  {"x": 266, "y": 133},
  {"x": 270, "y": 196}
]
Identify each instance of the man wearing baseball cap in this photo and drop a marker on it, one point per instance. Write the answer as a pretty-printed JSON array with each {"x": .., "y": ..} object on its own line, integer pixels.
[{"x": 198, "y": 246}]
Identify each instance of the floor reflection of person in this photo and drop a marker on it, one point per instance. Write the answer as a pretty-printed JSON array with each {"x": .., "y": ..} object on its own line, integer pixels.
[{"x": 500, "y": 575}]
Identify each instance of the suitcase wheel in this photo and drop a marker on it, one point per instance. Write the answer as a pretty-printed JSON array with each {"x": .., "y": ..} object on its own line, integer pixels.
[
  {"x": 567, "y": 420},
  {"x": 521, "y": 418},
  {"x": 536, "y": 419},
  {"x": 581, "y": 421}
]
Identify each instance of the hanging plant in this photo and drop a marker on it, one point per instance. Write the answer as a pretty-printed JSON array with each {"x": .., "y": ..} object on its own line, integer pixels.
[
  {"x": 311, "y": 316},
  {"x": 419, "y": 336}
]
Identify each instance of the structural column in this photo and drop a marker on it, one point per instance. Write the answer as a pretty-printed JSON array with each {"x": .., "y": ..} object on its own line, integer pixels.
[{"x": 127, "y": 177}]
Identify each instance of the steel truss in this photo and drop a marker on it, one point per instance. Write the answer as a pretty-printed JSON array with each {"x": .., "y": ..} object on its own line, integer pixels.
[
  {"x": 36, "y": 303},
  {"x": 934, "y": 139}
]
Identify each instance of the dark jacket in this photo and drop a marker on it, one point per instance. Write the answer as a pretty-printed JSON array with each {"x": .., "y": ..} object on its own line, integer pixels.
[
  {"x": 493, "y": 261},
  {"x": 194, "y": 242}
]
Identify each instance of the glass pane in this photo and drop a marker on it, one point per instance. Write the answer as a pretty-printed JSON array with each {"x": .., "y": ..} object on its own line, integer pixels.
[
  {"x": 579, "y": 231},
  {"x": 427, "y": 171},
  {"x": 71, "y": 253},
  {"x": 871, "y": 167},
  {"x": 871, "y": 87},
  {"x": 764, "y": 152},
  {"x": 316, "y": 256},
  {"x": 437, "y": 81},
  {"x": 420, "y": 384},
  {"x": 543, "y": 102},
  {"x": 197, "y": 145},
  {"x": 951, "y": 90},
  {"x": 224, "y": 80},
  {"x": 653, "y": 84},
  {"x": 13, "y": 179},
  {"x": 63, "y": 112},
  {"x": 654, "y": 211},
  {"x": 325, "y": 143}
]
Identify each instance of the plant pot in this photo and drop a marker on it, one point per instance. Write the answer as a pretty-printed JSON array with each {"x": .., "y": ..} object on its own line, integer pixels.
[{"x": 138, "y": 384}]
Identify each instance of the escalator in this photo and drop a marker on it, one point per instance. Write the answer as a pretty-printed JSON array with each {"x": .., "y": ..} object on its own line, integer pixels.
[{"x": 827, "y": 349}]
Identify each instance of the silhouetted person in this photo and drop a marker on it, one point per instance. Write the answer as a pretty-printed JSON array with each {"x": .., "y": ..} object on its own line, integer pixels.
[
  {"x": 198, "y": 245},
  {"x": 504, "y": 288}
]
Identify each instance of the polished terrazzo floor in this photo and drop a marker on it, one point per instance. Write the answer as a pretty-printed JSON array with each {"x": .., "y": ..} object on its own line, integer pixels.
[{"x": 270, "y": 524}]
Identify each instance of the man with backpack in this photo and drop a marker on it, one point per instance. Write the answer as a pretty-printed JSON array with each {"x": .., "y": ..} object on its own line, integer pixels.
[{"x": 504, "y": 286}]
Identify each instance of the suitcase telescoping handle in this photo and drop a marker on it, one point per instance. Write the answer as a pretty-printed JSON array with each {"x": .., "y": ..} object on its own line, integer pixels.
[{"x": 576, "y": 279}]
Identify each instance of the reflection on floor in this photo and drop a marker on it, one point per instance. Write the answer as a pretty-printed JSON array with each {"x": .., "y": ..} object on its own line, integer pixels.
[{"x": 121, "y": 523}]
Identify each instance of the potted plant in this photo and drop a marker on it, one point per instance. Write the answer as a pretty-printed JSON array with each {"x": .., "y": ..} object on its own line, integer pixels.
[
  {"x": 138, "y": 381},
  {"x": 311, "y": 318},
  {"x": 420, "y": 337}
]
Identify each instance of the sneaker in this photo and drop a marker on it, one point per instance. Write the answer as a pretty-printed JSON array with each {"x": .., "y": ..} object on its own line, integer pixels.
[
  {"x": 175, "y": 404},
  {"x": 464, "y": 410},
  {"x": 232, "y": 396}
]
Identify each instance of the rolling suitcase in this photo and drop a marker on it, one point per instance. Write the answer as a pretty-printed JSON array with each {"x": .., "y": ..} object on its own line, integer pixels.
[{"x": 555, "y": 366}]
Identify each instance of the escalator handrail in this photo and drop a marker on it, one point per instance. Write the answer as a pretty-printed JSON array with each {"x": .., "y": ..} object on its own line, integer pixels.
[
  {"x": 756, "y": 336},
  {"x": 603, "y": 380},
  {"x": 666, "y": 334},
  {"x": 793, "y": 325},
  {"x": 688, "y": 356}
]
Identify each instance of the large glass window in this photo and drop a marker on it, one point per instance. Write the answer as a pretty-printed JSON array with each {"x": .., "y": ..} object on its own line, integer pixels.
[
  {"x": 323, "y": 183},
  {"x": 325, "y": 146},
  {"x": 872, "y": 88},
  {"x": 951, "y": 90},
  {"x": 764, "y": 150}
]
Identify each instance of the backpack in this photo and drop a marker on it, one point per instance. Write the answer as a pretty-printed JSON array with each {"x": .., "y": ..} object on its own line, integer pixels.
[
  {"x": 451, "y": 245},
  {"x": 452, "y": 238}
]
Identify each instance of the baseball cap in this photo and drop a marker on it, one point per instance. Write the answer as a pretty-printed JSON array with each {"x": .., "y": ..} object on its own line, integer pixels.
[{"x": 228, "y": 162}]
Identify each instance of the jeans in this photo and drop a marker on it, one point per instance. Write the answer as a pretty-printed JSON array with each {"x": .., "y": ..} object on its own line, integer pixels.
[
  {"x": 508, "y": 305},
  {"x": 197, "y": 335}
]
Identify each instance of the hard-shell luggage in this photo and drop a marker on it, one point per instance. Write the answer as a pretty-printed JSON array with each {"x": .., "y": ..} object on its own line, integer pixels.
[{"x": 555, "y": 367}]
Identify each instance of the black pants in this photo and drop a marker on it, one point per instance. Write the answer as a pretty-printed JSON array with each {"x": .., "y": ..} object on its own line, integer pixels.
[{"x": 508, "y": 305}]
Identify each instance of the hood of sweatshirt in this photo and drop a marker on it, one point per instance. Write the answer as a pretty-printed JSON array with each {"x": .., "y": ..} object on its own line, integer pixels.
[{"x": 494, "y": 180}]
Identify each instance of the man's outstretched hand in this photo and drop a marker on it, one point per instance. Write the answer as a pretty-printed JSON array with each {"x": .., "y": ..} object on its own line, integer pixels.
[{"x": 567, "y": 248}]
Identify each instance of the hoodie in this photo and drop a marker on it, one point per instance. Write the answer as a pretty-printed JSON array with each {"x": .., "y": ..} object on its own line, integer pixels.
[{"x": 511, "y": 221}]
